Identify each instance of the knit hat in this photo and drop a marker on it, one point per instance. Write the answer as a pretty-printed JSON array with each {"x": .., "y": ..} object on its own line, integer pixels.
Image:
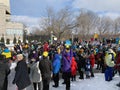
[{"x": 45, "y": 54}]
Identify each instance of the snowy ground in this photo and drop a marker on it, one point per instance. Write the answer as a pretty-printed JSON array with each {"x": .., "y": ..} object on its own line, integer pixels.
[{"x": 96, "y": 83}]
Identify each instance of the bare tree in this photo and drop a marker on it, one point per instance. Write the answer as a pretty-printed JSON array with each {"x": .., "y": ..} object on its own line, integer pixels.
[
  {"x": 105, "y": 26},
  {"x": 117, "y": 26},
  {"x": 59, "y": 22},
  {"x": 87, "y": 22}
]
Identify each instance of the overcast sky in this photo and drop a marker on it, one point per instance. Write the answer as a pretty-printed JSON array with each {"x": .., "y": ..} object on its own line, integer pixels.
[{"x": 30, "y": 11}]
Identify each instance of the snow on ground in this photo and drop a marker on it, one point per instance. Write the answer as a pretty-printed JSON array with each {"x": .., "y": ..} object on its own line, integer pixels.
[{"x": 96, "y": 83}]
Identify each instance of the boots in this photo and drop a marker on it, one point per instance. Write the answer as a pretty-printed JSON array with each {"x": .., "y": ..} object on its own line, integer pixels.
[
  {"x": 118, "y": 84},
  {"x": 67, "y": 88},
  {"x": 56, "y": 85}
]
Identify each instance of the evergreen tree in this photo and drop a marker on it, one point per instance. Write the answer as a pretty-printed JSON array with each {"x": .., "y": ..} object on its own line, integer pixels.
[
  {"x": 19, "y": 41},
  {"x": 7, "y": 41},
  {"x": 2, "y": 39},
  {"x": 14, "y": 40}
]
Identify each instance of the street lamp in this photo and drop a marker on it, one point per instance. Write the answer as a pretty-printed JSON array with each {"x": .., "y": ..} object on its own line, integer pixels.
[
  {"x": 51, "y": 37},
  {"x": 25, "y": 36},
  {"x": 72, "y": 37}
]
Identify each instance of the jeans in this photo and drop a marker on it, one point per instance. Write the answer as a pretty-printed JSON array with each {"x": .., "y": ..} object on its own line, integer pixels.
[{"x": 108, "y": 73}]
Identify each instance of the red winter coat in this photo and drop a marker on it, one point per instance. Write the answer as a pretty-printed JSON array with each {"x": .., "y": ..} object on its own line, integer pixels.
[
  {"x": 92, "y": 60},
  {"x": 46, "y": 47},
  {"x": 118, "y": 62},
  {"x": 73, "y": 66}
]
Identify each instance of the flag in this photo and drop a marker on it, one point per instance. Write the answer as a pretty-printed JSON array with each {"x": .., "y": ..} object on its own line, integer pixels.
[{"x": 96, "y": 35}]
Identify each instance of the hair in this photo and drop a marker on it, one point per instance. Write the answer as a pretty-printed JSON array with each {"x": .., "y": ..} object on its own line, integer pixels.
[
  {"x": 2, "y": 57},
  {"x": 20, "y": 56}
]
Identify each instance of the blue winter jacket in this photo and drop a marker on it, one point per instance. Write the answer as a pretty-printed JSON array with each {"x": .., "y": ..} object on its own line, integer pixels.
[{"x": 56, "y": 63}]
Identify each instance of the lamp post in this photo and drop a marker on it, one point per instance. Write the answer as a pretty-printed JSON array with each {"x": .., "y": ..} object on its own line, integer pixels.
[
  {"x": 25, "y": 36},
  {"x": 51, "y": 37},
  {"x": 72, "y": 37}
]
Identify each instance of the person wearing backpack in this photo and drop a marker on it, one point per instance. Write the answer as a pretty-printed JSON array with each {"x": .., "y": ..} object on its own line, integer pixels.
[{"x": 109, "y": 66}]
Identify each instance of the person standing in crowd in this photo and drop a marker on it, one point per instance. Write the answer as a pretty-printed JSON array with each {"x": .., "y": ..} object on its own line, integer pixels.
[
  {"x": 4, "y": 72},
  {"x": 81, "y": 63},
  {"x": 21, "y": 78},
  {"x": 46, "y": 46},
  {"x": 109, "y": 65},
  {"x": 92, "y": 62},
  {"x": 45, "y": 67},
  {"x": 87, "y": 66},
  {"x": 66, "y": 62},
  {"x": 73, "y": 69},
  {"x": 117, "y": 66},
  {"x": 35, "y": 74},
  {"x": 56, "y": 68}
]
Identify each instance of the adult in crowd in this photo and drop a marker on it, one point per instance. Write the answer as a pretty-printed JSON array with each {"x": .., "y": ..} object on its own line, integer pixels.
[
  {"x": 45, "y": 67},
  {"x": 117, "y": 66},
  {"x": 66, "y": 62},
  {"x": 35, "y": 74},
  {"x": 21, "y": 78},
  {"x": 4, "y": 71},
  {"x": 81, "y": 63},
  {"x": 56, "y": 69},
  {"x": 109, "y": 65}
]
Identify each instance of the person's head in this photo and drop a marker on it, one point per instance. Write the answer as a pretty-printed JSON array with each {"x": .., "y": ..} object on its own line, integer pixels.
[
  {"x": 67, "y": 47},
  {"x": 2, "y": 57},
  {"x": 81, "y": 51},
  {"x": 45, "y": 54},
  {"x": 19, "y": 57}
]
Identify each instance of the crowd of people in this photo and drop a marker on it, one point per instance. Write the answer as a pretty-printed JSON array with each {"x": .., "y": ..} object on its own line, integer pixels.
[{"x": 38, "y": 64}]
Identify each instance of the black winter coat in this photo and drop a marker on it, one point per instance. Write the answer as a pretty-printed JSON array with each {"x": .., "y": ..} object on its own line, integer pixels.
[
  {"x": 21, "y": 79},
  {"x": 81, "y": 62},
  {"x": 4, "y": 71},
  {"x": 46, "y": 67}
]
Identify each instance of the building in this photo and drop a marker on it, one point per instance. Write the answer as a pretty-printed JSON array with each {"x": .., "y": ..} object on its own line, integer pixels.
[{"x": 9, "y": 29}]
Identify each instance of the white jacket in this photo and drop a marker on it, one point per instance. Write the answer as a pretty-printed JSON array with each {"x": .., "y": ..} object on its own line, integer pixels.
[{"x": 35, "y": 73}]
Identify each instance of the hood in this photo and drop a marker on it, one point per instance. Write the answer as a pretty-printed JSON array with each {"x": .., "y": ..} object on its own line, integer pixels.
[
  {"x": 57, "y": 56},
  {"x": 6, "y": 50}
]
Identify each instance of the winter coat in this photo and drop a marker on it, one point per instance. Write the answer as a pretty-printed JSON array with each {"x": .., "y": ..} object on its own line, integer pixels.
[
  {"x": 73, "y": 66},
  {"x": 21, "y": 79},
  {"x": 66, "y": 61},
  {"x": 34, "y": 55},
  {"x": 4, "y": 71},
  {"x": 92, "y": 60},
  {"x": 108, "y": 60},
  {"x": 46, "y": 47},
  {"x": 56, "y": 63},
  {"x": 45, "y": 67},
  {"x": 81, "y": 62},
  {"x": 35, "y": 73},
  {"x": 7, "y": 53}
]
